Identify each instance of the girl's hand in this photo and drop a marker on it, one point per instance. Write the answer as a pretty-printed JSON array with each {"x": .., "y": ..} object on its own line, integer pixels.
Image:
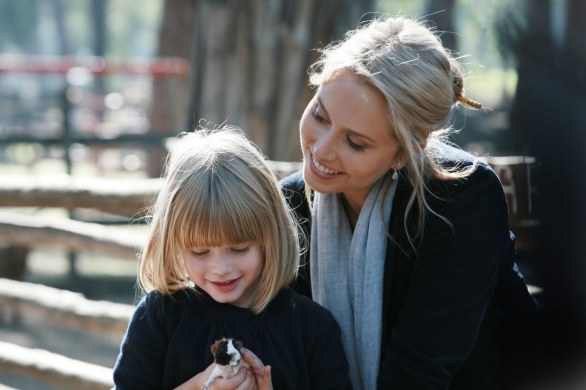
[
  {"x": 261, "y": 372},
  {"x": 243, "y": 380}
]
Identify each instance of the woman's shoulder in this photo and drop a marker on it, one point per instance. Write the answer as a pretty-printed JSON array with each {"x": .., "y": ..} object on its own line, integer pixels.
[
  {"x": 293, "y": 188},
  {"x": 452, "y": 158},
  {"x": 480, "y": 189},
  {"x": 293, "y": 185}
]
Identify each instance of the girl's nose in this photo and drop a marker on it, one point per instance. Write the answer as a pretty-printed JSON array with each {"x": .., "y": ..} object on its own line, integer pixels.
[{"x": 221, "y": 266}]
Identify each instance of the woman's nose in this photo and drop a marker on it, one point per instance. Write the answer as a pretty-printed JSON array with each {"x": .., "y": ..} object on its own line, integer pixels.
[{"x": 324, "y": 148}]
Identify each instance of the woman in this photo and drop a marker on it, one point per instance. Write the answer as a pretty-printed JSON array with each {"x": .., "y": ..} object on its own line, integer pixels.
[{"x": 409, "y": 241}]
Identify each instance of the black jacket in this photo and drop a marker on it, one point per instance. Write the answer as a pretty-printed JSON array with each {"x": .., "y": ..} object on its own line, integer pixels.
[
  {"x": 455, "y": 309},
  {"x": 169, "y": 337}
]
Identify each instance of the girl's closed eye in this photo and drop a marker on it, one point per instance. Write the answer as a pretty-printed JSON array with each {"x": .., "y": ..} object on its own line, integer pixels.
[
  {"x": 240, "y": 248},
  {"x": 199, "y": 252}
]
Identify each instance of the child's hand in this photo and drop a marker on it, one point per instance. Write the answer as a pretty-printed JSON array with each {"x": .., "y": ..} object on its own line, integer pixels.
[
  {"x": 243, "y": 380},
  {"x": 261, "y": 372}
]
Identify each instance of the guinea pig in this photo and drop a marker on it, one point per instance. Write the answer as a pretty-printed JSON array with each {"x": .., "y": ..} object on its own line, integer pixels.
[{"x": 227, "y": 360}]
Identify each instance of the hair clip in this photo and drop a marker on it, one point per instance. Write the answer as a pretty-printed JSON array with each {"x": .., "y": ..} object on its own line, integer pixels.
[{"x": 469, "y": 102}]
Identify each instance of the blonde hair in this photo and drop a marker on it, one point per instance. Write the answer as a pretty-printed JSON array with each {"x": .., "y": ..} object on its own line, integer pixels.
[
  {"x": 219, "y": 190},
  {"x": 420, "y": 82}
]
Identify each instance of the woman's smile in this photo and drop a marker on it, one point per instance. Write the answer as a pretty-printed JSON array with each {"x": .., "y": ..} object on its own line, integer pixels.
[
  {"x": 322, "y": 170},
  {"x": 345, "y": 127}
]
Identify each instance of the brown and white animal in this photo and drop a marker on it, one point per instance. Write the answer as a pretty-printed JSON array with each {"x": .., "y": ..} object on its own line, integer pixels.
[{"x": 227, "y": 359}]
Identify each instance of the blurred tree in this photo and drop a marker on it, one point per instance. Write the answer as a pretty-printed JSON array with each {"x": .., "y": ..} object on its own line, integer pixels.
[
  {"x": 16, "y": 19},
  {"x": 62, "y": 36},
  {"x": 98, "y": 9},
  {"x": 441, "y": 14},
  {"x": 170, "y": 98},
  {"x": 249, "y": 61},
  {"x": 547, "y": 40}
]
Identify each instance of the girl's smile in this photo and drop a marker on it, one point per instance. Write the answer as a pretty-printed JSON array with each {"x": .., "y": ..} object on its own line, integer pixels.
[
  {"x": 229, "y": 273},
  {"x": 226, "y": 286}
]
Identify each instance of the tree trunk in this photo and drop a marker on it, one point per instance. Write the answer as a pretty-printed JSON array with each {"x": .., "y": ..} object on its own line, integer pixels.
[
  {"x": 548, "y": 111},
  {"x": 250, "y": 60},
  {"x": 170, "y": 95},
  {"x": 99, "y": 14},
  {"x": 441, "y": 13}
]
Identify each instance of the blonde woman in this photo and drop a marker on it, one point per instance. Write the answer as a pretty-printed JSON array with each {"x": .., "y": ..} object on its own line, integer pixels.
[
  {"x": 221, "y": 250},
  {"x": 410, "y": 245}
]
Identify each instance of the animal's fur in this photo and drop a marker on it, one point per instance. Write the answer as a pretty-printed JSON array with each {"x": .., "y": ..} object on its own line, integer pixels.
[{"x": 227, "y": 359}]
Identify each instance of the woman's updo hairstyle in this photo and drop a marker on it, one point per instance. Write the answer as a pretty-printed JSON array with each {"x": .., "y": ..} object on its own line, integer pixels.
[{"x": 420, "y": 81}]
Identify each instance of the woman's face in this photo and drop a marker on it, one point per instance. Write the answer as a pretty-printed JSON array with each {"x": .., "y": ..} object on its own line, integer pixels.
[{"x": 346, "y": 139}]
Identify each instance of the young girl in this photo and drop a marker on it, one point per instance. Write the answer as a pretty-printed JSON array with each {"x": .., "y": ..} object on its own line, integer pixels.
[{"x": 221, "y": 249}]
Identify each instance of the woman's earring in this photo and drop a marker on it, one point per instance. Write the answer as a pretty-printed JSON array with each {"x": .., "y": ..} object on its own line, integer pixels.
[{"x": 396, "y": 173}]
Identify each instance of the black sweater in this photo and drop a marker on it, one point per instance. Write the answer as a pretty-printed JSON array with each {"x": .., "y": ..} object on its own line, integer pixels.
[
  {"x": 169, "y": 337},
  {"x": 455, "y": 309}
]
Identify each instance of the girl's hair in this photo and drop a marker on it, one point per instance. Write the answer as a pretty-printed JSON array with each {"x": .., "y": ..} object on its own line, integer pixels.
[
  {"x": 420, "y": 81},
  {"x": 218, "y": 190}
]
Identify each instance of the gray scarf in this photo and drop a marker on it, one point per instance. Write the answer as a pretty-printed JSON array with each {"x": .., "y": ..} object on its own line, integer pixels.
[{"x": 347, "y": 273}]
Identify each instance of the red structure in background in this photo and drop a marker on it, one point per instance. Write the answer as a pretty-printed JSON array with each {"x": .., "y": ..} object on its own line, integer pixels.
[{"x": 156, "y": 67}]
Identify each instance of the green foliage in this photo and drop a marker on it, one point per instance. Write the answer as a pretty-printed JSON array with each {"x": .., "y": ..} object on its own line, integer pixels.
[
  {"x": 490, "y": 77},
  {"x": 401, "y": 7},
  {"x": 30, "y": 27},
  {"x": 18, "y": 25},
  {"x": 133, "y": 28}
]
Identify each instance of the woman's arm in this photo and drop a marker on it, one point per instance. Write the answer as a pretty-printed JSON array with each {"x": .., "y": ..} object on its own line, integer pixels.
[
  {"x": 451, "y": 286},
  {"x": 262, "y": 373}
]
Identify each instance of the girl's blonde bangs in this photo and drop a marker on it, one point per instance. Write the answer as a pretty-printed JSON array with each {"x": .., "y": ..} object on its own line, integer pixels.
[{"x": 226, "y": 212}]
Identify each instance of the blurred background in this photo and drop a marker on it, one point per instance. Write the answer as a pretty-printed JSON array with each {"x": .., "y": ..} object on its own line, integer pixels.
[{"x": 92, "y": 91}]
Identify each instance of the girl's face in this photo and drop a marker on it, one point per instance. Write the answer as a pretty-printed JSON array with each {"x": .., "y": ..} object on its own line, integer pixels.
[
  {"x": 346, "y": 140},
  {"x": 229, "y": 274}
]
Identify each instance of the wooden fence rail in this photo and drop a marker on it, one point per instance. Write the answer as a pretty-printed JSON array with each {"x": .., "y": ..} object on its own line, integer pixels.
[
  {"x": 127, "y": 197},
  {"x": 51, "y": 368},
  {"x": 21, "y": 229},
  {"x": 42, "y": 304},
  {"x": 64, "y": 308}
]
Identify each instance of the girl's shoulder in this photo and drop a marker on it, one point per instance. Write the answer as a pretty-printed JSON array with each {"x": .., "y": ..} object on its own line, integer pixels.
[
  {"x": 301, "y": 307},
  {"x": 167, "y": 304}
]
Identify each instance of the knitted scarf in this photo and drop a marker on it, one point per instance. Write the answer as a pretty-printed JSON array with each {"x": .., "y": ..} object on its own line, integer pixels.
[{"x": 347, "y": 272}]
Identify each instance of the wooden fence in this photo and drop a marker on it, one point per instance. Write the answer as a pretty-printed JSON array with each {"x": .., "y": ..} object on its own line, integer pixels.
[
  {"x": 125, "y": 198},
  {"x": 21, "y": 226}
]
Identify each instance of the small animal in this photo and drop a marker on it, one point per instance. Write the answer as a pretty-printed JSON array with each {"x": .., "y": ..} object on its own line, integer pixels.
[{"x": 227, "y": 359}]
